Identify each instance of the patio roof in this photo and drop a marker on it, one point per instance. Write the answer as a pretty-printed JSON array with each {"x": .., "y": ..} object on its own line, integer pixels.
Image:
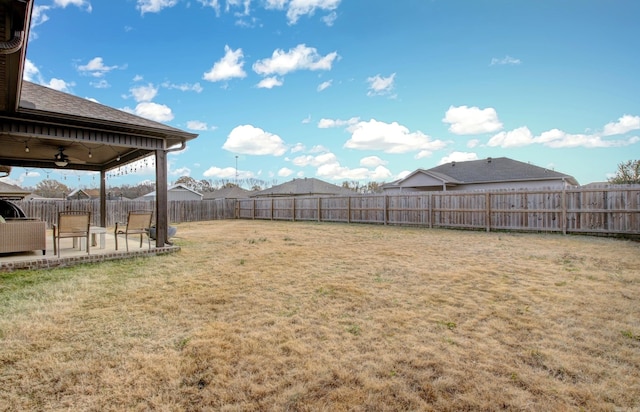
[{"x": 39, "y": 125}]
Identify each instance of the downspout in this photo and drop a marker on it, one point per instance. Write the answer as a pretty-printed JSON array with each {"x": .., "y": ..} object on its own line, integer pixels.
[
  {"x": 183, "y": 145},
  {"x": 14, "y": 45}
]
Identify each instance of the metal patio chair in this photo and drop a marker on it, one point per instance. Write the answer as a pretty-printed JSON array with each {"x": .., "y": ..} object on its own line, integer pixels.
[
  {"x": 72, "y": 224},
  {"x": 138, "y": 223}
]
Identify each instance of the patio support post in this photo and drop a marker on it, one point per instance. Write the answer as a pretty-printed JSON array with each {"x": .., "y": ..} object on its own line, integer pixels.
[
  {"x": 103, "y": 198},
  {"x": 161, "y": 198}
]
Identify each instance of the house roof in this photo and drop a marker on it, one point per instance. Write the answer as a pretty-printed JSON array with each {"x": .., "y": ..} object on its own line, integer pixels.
[
  {"x": 9, "y": 191},
  {"x": 490, "y": 170},
  {"x": 179, "y": 186},
  {"x": 233, "y": 192},
  {"x": 306, "y": 186}
]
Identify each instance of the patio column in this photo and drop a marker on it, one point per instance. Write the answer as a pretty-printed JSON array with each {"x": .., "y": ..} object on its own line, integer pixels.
[
  {"x": 103, "y": 198},
  {"x": 161, "y": 198}
]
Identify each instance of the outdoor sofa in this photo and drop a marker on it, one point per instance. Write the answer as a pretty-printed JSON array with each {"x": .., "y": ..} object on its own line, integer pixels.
[{"x": 22, "y": 235}]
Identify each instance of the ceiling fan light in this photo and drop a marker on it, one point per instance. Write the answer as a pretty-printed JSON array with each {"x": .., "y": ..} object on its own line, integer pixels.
[{"x": 61, "y": 159}]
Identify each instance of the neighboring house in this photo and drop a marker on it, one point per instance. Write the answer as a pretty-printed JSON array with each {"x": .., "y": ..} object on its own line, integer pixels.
[
  {"x": 304, "y": 187},
  {"x": 175, "y": 192},
  {"x": 9, "y": 191},
  {"x": 499, "y": 173},
  {"x": 84, "y": 194},
  {"x": 233, "y": 192}
]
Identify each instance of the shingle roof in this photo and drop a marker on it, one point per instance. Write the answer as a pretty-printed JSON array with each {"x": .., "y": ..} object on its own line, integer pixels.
[
  {"x": 500, "y": 169},
  {"x": 45, "y": 99},
  {"x": 306, "y": 186},
  {"x": 233, "y": 192},
  {"x": 12, "y": 191}
]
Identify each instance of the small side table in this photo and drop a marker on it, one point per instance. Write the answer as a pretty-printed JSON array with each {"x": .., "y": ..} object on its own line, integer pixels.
[{"x": 97, "y": 230}]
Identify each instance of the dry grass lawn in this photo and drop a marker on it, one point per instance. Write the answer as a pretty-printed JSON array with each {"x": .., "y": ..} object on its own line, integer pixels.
[{"x": 258, "y": 315}]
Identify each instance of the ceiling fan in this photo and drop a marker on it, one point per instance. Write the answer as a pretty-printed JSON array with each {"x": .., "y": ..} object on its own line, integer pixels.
[{"x": 61, "y": 159}]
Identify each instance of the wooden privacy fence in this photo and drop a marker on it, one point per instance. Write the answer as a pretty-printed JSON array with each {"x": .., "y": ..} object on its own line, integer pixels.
[
  {"x": 607, "y": 211},
  {"x": 603, "y": 211},
  {"x": 117, "y": 210}
]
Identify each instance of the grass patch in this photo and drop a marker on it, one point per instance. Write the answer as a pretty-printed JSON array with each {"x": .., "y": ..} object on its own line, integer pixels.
[{"x": 351, "y": 317}]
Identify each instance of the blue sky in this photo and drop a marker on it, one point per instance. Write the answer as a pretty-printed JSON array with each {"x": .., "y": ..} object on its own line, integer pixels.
[{"x": 353, "y": 89}]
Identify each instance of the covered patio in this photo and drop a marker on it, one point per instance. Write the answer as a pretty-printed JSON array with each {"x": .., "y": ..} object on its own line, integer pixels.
[
  {"x": 70, "y": 255},
  {"x": 43, "y": 128}
]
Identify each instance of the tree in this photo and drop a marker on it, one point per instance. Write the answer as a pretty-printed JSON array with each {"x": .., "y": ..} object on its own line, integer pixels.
[
  {"x": 188, "y": 181},
  {"x": 51, "y": 188},
  {"x": 628, "y": 173}
]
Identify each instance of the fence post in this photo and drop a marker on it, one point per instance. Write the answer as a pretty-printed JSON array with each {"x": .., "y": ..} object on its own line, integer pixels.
[
  {"x": 487, "y": 200},
  {"x": 349, "y": 209},
  {"x": 319, "y": 210},
  {"x": 564, "y": 210},
  {"x": 253, "y": 212},
  {"x": 430, "y": 210},
  {"x": 271, "y": 208},
  {"x": 293, "y": 209},
  {"x": 386, "y": 209}
]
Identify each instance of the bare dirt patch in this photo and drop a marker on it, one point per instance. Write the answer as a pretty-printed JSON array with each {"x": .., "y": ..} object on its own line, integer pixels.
[{"x": 255, "y": 315}]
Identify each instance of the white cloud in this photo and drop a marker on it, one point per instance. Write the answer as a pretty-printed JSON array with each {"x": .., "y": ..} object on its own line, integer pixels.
[
  {"x": 154, "y": 6},
  {"x": 334, "y": 171},
  {"x": 197, "y": 125},
  {"x": 229, "y": 67},
  {"x": 96, "y": 67},
  {"x": 465, "y": 120},
  {"x": 324, "y": 85},
  {"x": 79, "y": 3},
  {"x": 297, "y": 8},
  {"x": 100, "y": 84},
  {"x": 152, "y": 111},
  {"x": 299, "y": 58},
  {"x": 250, "y": 140},
  {"x": 214, "y": 4},
  {"x": 31, "y": 72},
  {"x": 330, "y": 18},
  {"x": 227, "y": 173},
  {"x": 285, "y": 172},
  {"x": 328, "y": 123},
  {"x": 298, "y": 147},
  {"x": 473, "y": 143},
  {"x": 390, "y": 138},
  {"x": 513, "y": 138},
  {"x": 624, "y": 125},
  {"x": 505, "y": 60},
  {"x": 270, "y": 82},
  {"x": 315, "y": 161},
  {"x": 182, "y": 171},
  {"x": 380, "y": 86},
  {"x": 144, "y": 93},
  {"x": 39, "y": 16},
  {"x": 372, "y": 161},
  {"x": 184, "y": 87},
  {"x": 60, "y": 85},
  {"x": 556, "y": 138},
  {"x": 458, "y": 157}
]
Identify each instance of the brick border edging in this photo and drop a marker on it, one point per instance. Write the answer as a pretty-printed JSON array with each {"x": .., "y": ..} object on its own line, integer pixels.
[{"x": 51, "y": 263}]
